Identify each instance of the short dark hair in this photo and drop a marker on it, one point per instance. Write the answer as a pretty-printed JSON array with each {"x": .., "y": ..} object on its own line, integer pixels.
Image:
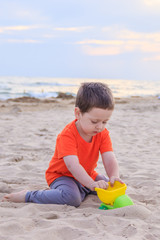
[{"x": 94, "y": 94}]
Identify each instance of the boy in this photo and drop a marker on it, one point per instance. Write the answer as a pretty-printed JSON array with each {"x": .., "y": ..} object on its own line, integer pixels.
[{"x": 71, "y": 175}]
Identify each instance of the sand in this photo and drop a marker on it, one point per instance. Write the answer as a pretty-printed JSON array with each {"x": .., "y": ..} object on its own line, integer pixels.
[{"x": 28, "y": 130}]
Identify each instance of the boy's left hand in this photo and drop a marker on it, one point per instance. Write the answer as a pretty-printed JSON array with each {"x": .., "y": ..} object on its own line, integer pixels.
[{"x": 113, "y": 179}]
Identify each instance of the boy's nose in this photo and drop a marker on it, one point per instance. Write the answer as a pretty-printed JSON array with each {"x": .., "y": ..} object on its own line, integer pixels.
[{"x": 99, "y": 127}]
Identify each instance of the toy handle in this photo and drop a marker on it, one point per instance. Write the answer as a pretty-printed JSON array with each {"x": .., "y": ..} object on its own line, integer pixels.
[
  {"x": 106, "y": 207},
  {"x": 110, "y": 207}
]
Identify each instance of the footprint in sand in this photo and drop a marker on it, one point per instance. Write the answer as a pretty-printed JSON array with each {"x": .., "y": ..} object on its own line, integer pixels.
[{"x": 50, "y": 216}]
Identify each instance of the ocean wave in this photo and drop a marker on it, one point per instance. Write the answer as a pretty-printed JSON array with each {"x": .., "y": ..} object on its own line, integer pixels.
[
  {"x": 14, "y": 87},
  {"x": 50, "y": 84}
]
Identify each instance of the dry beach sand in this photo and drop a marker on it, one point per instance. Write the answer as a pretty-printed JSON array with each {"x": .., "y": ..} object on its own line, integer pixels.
[{"x": 28, "y": 130}]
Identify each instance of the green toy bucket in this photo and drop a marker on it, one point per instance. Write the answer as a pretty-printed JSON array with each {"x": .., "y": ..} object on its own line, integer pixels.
[{"x": 121, "y": 201}]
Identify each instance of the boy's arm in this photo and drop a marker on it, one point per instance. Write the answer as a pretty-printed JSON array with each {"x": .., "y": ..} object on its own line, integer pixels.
[
  {"x": 111, "y": 166},
  {"x": 80, "y": 174}
]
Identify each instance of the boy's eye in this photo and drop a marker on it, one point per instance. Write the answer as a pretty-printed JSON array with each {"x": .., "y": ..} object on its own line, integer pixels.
[{"x": 94, "y": 122}]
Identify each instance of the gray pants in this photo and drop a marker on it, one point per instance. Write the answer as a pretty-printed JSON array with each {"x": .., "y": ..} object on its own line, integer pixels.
[{"x": 64, "y": 190}]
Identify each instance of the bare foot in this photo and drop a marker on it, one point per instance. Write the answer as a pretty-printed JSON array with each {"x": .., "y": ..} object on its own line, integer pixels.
[{"x": 15, "y": 197}]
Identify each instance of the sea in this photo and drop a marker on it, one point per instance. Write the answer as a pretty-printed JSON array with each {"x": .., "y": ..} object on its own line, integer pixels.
[{"x": 47, "y": 87}]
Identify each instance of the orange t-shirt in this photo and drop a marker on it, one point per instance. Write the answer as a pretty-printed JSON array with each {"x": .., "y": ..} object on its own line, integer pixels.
[{"x": 69, "y": 142}]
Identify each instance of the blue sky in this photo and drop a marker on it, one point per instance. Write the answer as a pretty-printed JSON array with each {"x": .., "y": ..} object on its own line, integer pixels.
[{"x": 118, "y": 39}]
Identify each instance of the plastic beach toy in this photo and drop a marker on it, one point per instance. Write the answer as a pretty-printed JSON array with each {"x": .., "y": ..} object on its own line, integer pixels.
[
  {"x": 109, "y": 195},
  {"x": 121, "y": 201},
  {"x": 114, "y": 197}
]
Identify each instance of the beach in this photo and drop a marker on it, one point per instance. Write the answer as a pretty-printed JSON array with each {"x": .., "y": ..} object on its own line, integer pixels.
[{"x": 29, "y": 127}]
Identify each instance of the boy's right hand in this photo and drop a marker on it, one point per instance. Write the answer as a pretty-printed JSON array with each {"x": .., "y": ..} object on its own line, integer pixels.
[{"x": 99, "y": 184}]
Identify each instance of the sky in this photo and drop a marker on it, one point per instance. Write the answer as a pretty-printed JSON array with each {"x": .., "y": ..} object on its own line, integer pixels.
[{"x": 116, "y": 39}]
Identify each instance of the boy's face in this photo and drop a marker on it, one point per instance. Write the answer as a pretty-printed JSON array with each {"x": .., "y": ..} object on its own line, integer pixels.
[{"x": 92, "y": 122}]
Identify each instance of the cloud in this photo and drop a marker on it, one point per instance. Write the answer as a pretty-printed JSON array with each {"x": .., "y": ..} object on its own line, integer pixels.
[
  {"x": 23, "y": 41},
  {"x": 30, "y": 27},
  {"x": 73, "y": 29},
  {"x": 22, "y": 12},
  {"x": 17, "y": 28},
  {"x": 101, "y": 51},
  {"x": 151, "y": 2},
  {"x": 116, "y": 32},
  {"x": 94, "y": 47},
  {"x": 132, "y": 35},
  {"x": 121, "y": 41},
  {"x": 43, "y": 31},
  {"x": 100, "y": 42},
  {"x": 9, "y": 33}
]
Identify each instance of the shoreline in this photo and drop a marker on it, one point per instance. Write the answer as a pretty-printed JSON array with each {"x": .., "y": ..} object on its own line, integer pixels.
[
  {"x": 64, "y": 96},
  {"x": 67, "y": 99}
]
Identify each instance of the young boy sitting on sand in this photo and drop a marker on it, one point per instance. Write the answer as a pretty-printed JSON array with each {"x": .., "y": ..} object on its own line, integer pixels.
[{"x": 71, "y": 175}]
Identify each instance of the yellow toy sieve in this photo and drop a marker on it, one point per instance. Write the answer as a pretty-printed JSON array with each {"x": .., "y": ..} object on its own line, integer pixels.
[{"x": 109, "y": 195}]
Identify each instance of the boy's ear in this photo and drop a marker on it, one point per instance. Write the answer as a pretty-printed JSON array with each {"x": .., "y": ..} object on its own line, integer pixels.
[{"x": 77, "y": 112}]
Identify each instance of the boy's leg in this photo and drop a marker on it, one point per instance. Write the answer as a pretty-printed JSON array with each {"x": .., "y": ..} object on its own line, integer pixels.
[
  {"x": 17, "y": 197},
  {"x": 64, "y": 190}
]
